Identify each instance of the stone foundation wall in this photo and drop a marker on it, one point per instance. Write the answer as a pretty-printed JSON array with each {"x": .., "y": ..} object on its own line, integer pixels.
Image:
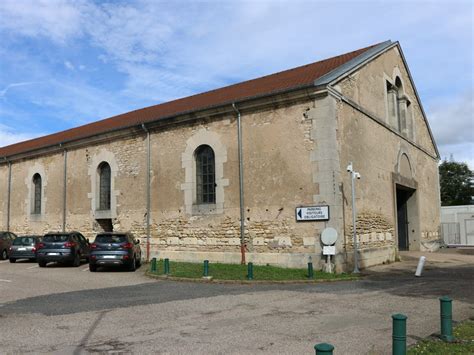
[{"x": 372, "y": 230}]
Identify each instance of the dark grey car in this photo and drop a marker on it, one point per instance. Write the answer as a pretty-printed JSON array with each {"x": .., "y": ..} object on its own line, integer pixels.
[
  {"x": 68, "y": 247},
  {"x": 115, "y": 249},
  {"x": 6, "y": 240},
  {"x": 24, "y": 247}
]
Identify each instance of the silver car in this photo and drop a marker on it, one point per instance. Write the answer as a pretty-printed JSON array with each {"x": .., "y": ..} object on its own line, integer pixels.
[{"x": 24, "y": 247}]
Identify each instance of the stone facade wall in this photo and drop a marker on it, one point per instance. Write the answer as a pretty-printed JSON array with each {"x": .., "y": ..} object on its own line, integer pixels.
[
  {"x": 378, "y": 154},
  {"x": 50, "y": 219},
  {"x": 278, "y": 153},
  {"x": 277, "y": 178}
]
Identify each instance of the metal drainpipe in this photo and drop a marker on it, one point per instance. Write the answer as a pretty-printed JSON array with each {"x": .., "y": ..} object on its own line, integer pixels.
[
  {"x": 241, "y": 185},
  {"x": 9, "y": 194},
  {"x": 65, "y": 190},
  {"x": 148, "y": 195}
]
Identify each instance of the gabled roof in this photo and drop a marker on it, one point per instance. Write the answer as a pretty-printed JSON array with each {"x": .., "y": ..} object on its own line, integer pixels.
[{"x": 314, "y": 74}]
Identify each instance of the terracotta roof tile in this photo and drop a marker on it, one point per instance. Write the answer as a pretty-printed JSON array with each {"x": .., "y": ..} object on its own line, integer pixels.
[{"x": 289, "y": 79}]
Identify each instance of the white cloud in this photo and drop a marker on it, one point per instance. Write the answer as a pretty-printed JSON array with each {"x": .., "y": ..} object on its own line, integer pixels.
[
  {"x": 10, "y": 136},
  {"x": 78, "y": 102},
  {"x": 459, "y": 152},
  {"x": 452, "y": 120},
  {"x": 127, "y": 32},
  {"x": 13, "y": 85},
  {"x": 55, "y": 19},
  {"x": 68, "y": 65}
]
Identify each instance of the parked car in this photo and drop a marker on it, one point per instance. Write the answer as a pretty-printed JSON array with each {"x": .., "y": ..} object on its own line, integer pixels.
[
  {"x": 6, "y": 240},
  {"x": 70, "y": 247},
  {"x": 24, "y": 247},
  {"x": 115, "y": 249}
]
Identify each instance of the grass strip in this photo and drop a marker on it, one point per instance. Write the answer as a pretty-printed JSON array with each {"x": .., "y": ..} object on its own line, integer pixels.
[
  {"x": 463, "y": 343},
  {"x": 237, "y": 272}
]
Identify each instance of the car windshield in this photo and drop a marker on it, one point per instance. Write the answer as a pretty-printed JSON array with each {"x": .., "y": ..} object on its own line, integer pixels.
[
  {"x": 56, "y": 238},
  {"x": 24, "y": 241},
  {"x": 115, "y": 238}
]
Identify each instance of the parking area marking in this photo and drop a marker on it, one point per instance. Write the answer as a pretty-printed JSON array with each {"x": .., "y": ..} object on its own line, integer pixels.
[
  {"x": 86, "y": 269},
  {"x": 32, "y": 267},
  {"x": 1, "y": 280}
]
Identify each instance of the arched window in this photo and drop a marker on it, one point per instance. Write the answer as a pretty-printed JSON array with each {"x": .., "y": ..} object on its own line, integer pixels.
[
  {"x": 403, "y": 108},
  {"x": 104, "y": 186},
  {"x": 205, "y": 175},
  {"x": 36, "y": 208},
  {"x": 399, "y": 109}
]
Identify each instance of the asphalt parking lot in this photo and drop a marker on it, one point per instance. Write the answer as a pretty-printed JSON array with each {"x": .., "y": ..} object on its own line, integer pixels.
[
  {"x": 70, "y": 310},
  {"x": 25, "y": 279}
]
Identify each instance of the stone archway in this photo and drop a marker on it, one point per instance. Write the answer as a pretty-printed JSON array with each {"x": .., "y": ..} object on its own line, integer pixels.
[{"x": 406, "y": 214}]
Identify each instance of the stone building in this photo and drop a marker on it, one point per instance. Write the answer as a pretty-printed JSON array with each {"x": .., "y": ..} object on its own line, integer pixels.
[{"x": 219, "y": 174}]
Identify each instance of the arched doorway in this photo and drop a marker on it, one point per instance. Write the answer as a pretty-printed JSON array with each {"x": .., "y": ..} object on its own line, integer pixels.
[{"x": 406, "y": 205}]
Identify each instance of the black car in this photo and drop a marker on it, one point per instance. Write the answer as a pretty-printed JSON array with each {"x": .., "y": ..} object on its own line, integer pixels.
[
  {"x": 24, "y": 247},
  {"x": 6, "y": 240},
  {"x": 115, "y": 249},
  {"x": 70, "y": 247}
]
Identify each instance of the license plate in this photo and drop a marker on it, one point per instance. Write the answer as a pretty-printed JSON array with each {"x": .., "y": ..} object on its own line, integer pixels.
[
  {"x": 109, "y": 256},
  {"x": 21, "y": 249},
  {"x": 53, "y": 253}
]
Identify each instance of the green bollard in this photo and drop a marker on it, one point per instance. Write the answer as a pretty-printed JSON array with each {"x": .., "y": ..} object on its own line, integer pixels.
[
  {"x": 250, "y": 271},
  {"x": 310, "y": 270},
  {"x": 167, "y": 266},
  {"x": 324, "y": 348},
  {"x": 446, "y": 308},
  {"x": 153, "y": 265},
  {"x": 206, "y": 268},
  {"x": 399, "y": 335}
]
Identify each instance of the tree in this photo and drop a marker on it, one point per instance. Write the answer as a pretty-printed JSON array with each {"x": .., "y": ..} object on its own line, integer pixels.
[{"x": 456, "y": 183}]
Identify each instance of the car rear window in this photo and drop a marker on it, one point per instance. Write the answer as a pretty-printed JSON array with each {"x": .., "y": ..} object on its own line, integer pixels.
[
  {"x": 56, "y": 238},
  {"x": 24, "y": 241},
  {"x": 116, "y": 238}
]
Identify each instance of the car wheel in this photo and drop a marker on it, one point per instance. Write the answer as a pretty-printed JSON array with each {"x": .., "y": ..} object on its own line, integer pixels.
[
  {"x": 92, "y": 268},
  {"x": 139, "y": 262},
  {"x": 12, "y": 260},
  {"x": 133, "y": 264},
  {"x": 77, "y": 260},
  {"x": 4, "y": 254},
  {"x": 42, "y": 263}
]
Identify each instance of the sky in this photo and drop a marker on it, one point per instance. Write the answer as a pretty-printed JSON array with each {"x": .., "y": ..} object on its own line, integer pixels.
[{"x": 64, "y": 63}]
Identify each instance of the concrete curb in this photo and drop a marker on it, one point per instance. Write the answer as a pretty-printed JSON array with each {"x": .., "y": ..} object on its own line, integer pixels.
[{"x": 248, "y": 282}]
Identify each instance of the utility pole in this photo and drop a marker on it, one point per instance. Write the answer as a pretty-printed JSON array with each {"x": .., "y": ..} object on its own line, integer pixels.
[{"x": 354, "y": 175}]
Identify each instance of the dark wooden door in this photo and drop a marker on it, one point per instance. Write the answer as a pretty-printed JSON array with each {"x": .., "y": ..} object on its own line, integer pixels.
[{"x": 402, "y": 219}]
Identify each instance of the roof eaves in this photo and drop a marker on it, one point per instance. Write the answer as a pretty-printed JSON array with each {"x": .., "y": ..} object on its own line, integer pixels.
[
  {"x": 163, "y": 119},
  {"x": 351, "y": 64}
]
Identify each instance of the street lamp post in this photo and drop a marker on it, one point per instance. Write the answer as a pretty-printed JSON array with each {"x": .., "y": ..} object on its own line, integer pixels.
[{"x": 354, "y": 175}]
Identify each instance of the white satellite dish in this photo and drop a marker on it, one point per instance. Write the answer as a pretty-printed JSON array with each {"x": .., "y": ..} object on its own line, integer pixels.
[{"x": 329, "y": 236}]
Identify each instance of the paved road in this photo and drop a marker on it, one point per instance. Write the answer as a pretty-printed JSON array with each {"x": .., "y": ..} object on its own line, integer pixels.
[{"x": 68, "y": 310}]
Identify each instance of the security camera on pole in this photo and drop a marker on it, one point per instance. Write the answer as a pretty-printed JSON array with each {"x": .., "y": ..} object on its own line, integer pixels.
[{"x": 354, "y": 175}]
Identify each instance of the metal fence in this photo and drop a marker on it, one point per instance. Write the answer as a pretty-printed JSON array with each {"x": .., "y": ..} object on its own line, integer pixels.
[{"x": 451, "y": 233}]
